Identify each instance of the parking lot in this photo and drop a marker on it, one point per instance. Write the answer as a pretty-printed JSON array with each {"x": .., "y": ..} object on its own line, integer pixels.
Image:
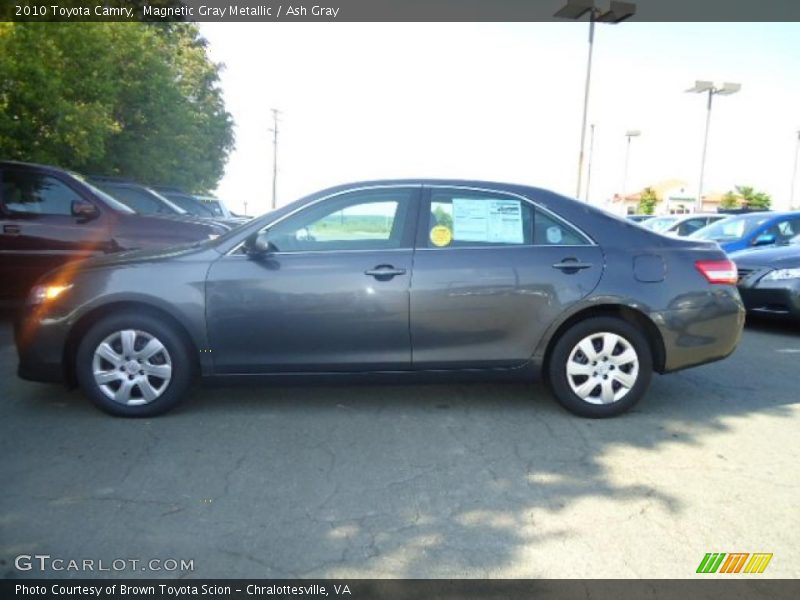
[{"x": 470, "y": 480}]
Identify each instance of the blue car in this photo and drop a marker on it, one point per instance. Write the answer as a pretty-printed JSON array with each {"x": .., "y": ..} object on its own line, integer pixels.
[{"x": 751, "y": 230}]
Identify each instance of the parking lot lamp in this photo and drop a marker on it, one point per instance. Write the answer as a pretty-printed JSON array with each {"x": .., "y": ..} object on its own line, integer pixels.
[
  {"x": 708, "y": 87},
  {"x": 631, "y": 133},
  {"x": 574, "y": 10},
  {"x": 794, "y": 170}
]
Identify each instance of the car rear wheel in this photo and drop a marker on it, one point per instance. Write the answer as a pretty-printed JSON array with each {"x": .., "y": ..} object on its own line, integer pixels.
[
  {"x": 600, "y": 367},
  {"x": 133, "y": 365}
]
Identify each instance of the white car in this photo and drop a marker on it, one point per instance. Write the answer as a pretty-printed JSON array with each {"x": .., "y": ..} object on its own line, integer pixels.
[{"x": 687, "y": 224}]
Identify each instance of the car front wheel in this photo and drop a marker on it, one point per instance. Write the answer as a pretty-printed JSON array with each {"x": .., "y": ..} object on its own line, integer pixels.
[
  {"x": 600, "y": 367},
  {"x": 133, "y": 365}
]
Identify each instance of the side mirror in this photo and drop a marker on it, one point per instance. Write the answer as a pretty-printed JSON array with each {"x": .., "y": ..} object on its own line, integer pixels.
[
  {"x": 765, "y": 239},
  {"x": 84, "y": 210},
  {"x": 259, "y": 245}
]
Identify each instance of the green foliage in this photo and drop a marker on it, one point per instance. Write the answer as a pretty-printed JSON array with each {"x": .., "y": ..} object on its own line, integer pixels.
[
  {"x": 647, "y": 202},
  {"x": 129, "y": 99},
  {"x": 729, "y": 200},
  {"x": 443, "y": 217},
  {"x": 753, "y": 199}
]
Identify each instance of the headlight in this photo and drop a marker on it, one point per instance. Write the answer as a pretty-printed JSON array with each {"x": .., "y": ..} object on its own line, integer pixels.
[
  {"x": 781, "y": 274},
  {"x": 46, "y": 293}
]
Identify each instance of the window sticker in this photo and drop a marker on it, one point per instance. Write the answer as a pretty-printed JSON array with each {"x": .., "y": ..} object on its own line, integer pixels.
[
  {"x": 554, "y": 235},
  {"x": 441, "y": 236},
  {"x": 487, "y": 220}
]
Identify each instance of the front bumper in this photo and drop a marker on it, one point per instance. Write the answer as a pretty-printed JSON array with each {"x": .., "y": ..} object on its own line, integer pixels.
[
  {"x": 780, "y": 298},
  {"x": 40, "y": 340}
]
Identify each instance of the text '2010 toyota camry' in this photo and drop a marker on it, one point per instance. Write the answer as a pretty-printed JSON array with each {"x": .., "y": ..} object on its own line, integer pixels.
[{"x": 392, "y": 280}]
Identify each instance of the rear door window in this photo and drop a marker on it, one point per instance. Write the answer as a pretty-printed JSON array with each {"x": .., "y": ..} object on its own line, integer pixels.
[{"x": 458, "y": 218}]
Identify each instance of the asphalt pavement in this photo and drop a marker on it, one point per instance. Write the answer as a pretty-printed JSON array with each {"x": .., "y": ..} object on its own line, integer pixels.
[{"x": 465, "y": 480}]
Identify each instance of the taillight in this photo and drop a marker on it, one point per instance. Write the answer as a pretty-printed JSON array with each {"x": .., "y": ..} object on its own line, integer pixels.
[{"x": 718, "y": 271}]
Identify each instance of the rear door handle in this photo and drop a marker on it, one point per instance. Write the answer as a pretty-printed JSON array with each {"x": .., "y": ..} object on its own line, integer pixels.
[
  {"x": 571, "y": 265},
  {"x": 384, "y": 272},
  {"x": 11, "y": 229}
]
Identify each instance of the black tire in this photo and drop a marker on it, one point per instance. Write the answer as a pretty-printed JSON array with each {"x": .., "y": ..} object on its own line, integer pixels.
[
  {"x": 175, "y": 354},
  {"x": 592, "y": 328}
]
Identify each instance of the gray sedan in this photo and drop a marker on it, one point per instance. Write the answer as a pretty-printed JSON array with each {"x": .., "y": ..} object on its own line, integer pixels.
[{"x": 391, "y": 280}]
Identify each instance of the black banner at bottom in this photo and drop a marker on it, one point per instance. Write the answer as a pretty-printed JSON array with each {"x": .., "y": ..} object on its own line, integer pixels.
[{"x": 713, "y": 588}]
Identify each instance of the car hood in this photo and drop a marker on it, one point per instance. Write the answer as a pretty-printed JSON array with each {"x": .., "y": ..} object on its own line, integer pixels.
[
  {"x": 778, "y": 257},
  {"x": 169, "y": 228}
]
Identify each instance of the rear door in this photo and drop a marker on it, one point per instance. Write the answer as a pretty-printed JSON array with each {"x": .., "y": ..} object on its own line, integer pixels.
[
  {"x": 39, "y": 231},
  {"x": 491, "y": 273}
]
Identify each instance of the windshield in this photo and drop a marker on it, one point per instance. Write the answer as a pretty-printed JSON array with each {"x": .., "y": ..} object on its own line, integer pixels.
[
  {"x": 191, "y": 205},
  {"x": 213, "y": 205},
  {"x": 140, "y": 200},
  {"x": 731, "y": 229},
  {"x": 659, "y": 224},
  {"x": 110, "y": 200}
]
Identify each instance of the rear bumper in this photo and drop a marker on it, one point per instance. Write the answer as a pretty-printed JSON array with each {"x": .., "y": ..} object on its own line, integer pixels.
[{"x": 701, "y": 327}]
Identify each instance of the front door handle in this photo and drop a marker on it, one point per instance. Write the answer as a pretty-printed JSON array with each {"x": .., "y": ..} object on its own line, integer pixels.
[
  {"x": 571, "y": 265},
  {"x": 384, "y": 272},
  {"x": 11, "y": 229}
]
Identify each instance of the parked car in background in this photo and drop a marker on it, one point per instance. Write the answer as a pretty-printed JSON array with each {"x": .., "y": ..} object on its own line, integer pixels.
[
  {"x": 197, "y": 207},
  {"x": 638, "y": 218},
  {"x": 688, "y": 224},
  {"x": 752, "y": 229},
  {"x": 51, "y": 217},
  {"x": 221, "y": 209},
  {"x": 659, "y": 224},
  {"x": 420, "y": 279},
  {"x": 769, "y": 278}
]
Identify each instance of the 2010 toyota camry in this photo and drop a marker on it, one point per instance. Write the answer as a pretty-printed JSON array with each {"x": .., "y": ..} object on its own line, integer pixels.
[{"x": 392, "y": 280}]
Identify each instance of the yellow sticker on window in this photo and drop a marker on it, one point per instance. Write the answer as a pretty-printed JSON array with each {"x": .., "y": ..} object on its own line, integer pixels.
[{"x": 441, "y": 236}]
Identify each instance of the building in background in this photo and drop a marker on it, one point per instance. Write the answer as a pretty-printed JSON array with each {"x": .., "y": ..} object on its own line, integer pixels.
[{"x": 673, "y": 198}]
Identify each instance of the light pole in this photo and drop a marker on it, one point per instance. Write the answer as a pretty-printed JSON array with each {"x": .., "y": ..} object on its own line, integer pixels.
[
  {"x": 794, "y": 170},
  {"x": 589, "y": 165},
  {"x": 708, "y": 87},
  {"x": 274, "y": 130},
  {"x": 631, "y": 133},
  {"x": 575, "y": 9}
]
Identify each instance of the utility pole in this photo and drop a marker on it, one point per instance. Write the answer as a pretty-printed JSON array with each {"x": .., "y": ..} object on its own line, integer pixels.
[{"x": 274, "y": 130}]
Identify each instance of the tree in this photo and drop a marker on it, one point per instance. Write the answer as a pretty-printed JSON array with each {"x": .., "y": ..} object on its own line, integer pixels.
[
  {"x": 729, "y": 200},
  {"x": 753, "y": 199},
  {"x": 129, "y": 99},
  {"x": 648, "y": 201}
]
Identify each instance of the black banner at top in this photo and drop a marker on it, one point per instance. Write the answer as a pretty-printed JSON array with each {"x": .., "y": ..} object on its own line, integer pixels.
[{"x": 398, "y": 10}]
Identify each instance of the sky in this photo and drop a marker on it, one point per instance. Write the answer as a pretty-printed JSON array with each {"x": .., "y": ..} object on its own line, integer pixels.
[{"x": 504, "y": 102}]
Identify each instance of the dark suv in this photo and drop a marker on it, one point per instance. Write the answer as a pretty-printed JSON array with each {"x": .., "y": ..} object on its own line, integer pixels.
[{"x": 51, "y": 216}]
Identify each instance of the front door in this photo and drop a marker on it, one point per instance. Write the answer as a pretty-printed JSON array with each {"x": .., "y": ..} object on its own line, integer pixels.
[{"x": 332, "y": 295}]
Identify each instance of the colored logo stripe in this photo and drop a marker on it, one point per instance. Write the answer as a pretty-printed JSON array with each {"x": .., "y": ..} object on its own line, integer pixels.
[
  {"x": 711, "y": 562},
  {"x": 758, "y": 563},
  {"x": 717, "y": 561}
]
